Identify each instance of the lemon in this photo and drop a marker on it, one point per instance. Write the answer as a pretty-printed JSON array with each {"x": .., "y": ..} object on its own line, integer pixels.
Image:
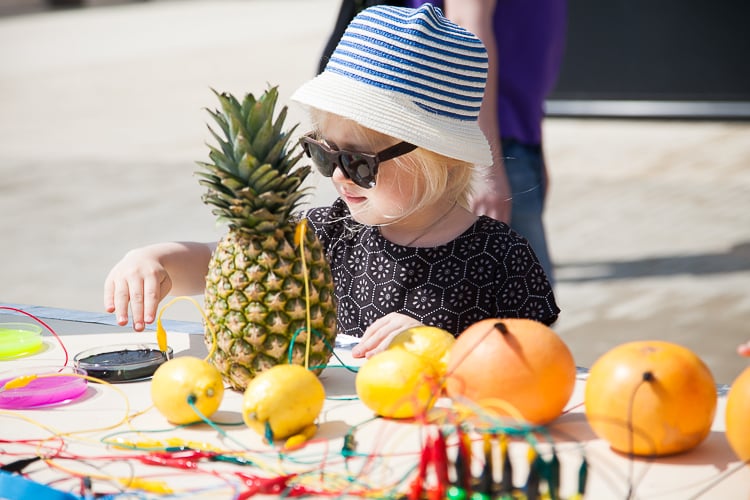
[
  {"x": 285, "y": 400},
  {"x": 428, "y": 341},
  {"x": 185, "y": 379},
  {"x": 396, "y": 383}
]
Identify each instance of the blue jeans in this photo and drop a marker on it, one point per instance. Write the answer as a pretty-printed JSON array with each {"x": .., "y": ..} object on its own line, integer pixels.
[{"x": 524, "y": 165}]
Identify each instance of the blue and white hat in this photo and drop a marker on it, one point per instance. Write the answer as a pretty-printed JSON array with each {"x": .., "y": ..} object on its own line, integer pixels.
[{"x": 411, "y": 74}]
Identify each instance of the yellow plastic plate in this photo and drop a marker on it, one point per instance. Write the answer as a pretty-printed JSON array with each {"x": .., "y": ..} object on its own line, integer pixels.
[{"x": 19, "y": 339}]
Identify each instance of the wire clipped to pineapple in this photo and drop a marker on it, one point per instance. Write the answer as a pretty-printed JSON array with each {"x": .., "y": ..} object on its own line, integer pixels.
[{"x": 261, "y": 294}]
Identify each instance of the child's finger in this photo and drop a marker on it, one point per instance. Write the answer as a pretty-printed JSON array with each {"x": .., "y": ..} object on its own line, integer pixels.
[
  {"x": 136, "y": 304},
  {"x": 121, "y": 299}
]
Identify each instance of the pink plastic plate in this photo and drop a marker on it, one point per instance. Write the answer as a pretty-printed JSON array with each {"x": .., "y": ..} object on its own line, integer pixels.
[{"x": 41, "y": 386}]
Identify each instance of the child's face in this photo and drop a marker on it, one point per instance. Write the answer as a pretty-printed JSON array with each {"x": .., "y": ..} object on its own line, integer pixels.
[{"x": 393, "y": 194}]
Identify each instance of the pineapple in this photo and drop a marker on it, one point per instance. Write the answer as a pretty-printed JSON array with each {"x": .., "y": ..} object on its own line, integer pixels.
[{"x": 256, "y": 297}]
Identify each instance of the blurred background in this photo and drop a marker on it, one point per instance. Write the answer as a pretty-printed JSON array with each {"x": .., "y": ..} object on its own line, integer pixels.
[{"x": 103, "y": 119}]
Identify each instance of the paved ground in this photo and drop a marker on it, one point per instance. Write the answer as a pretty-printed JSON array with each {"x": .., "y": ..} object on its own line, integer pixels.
[{"x": 103, "y": 120}]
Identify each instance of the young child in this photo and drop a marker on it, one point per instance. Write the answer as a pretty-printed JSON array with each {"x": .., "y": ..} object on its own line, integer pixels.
[{"x": 395, "y": 118}]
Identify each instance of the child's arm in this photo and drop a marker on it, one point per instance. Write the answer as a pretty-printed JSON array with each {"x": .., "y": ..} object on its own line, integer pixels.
[{"x": 146, "y": 275}]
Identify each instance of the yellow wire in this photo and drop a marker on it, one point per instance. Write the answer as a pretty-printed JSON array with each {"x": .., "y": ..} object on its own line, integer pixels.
[
  {"x": 134, "y": 482},
  {"x": 161, "y": 333},
  {"x": 491, "y": 405},
  {"x": 299, "y": 238}
]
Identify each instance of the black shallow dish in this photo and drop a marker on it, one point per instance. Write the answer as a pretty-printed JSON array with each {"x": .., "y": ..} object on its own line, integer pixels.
[{"x": 123, "y": 362}]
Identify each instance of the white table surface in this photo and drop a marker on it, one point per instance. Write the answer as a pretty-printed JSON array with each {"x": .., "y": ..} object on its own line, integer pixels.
[{"x": 710, "y": 471}]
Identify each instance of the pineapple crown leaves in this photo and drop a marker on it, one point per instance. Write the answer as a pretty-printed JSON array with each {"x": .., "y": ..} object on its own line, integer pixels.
[{"x": 249, "y": 178}]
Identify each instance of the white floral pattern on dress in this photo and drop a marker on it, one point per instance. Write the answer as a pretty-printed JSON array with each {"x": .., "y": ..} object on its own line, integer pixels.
[{"x": 489, "y": 271}]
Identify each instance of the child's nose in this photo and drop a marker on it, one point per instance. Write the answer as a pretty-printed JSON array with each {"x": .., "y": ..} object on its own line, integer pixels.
[{"x": 339, "y": 175}]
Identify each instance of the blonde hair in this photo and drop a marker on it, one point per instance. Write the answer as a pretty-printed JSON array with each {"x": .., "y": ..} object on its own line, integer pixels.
[{"x": 436, "y": 176}]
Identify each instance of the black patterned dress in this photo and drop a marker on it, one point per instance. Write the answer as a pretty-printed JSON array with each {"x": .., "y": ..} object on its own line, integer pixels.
[{"x": 489, "y": 271}]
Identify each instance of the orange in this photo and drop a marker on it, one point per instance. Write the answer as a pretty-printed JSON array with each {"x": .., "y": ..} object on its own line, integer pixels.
[
  {"x": 737, "y": 415},
  {"x": 516, "y": 367},
  {"x": 650, "y": 398}
]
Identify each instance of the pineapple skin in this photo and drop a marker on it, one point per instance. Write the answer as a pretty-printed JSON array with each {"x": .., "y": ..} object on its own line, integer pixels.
[{"x": 255, "y": 298}]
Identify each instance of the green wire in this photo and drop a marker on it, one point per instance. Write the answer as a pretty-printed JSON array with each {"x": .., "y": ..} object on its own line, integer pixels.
[{"x": 352, "y": 369}]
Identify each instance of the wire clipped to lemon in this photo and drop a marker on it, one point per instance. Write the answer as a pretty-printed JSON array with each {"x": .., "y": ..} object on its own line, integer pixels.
[
  {"x": 283, "y": 401},
  {"x": 396, "y": 383},
  {"x": 429, "y": 342},
  {"x": 182, "y": 384}
]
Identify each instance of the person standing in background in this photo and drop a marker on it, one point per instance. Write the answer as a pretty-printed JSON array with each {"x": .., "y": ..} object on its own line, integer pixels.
[
  {"x": 525, "y": 40},
  {"x": 347, "y": 10}
]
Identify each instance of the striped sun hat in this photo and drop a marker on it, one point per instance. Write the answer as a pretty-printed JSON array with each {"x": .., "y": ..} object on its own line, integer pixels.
[{"x": 411, "y": 74}]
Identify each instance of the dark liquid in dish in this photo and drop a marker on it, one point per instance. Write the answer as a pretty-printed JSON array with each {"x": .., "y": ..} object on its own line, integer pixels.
[{"x": 123, "y": 365}]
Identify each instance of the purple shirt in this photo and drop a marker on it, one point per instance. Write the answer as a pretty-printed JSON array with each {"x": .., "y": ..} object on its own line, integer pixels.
[{"x": 530, "y": 39}]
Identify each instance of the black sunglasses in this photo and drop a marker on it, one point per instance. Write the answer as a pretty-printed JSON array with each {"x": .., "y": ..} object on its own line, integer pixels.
[{"x": 361, "y": 168}]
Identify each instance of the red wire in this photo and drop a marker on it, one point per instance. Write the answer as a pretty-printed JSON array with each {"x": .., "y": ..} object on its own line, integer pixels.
[
  {"x": 45, "y": 325},
  {"x": 568, "y": 410}
]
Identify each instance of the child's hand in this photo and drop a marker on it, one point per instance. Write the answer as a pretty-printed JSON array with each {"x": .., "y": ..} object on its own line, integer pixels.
[
  {"x": 744, "y": 349},
  {"x": 379, "y": 334},
  {"x": 140, "y": 282},
  {"x": 495, "y": 200}
]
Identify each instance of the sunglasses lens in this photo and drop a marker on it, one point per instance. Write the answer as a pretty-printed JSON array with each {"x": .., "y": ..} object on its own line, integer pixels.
[
  {"x": 320, "y": 158},
  {"x": 359, "y": 169}
]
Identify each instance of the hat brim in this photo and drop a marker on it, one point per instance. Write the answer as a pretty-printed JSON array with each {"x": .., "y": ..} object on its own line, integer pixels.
[{"x": 395, "y": 115}]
